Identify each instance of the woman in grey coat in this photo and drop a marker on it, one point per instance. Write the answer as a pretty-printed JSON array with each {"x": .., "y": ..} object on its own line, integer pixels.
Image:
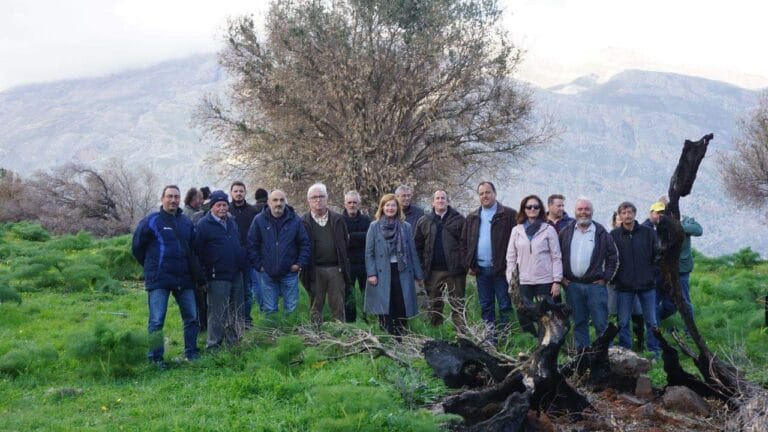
[{"x": 392, "y": 267}]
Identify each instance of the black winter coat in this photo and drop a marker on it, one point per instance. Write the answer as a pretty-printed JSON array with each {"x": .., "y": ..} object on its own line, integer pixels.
[
  {"x": 638, "y": 254},
  {"x": 604, "y": 261},
  {"x": 357, "y": 228}
]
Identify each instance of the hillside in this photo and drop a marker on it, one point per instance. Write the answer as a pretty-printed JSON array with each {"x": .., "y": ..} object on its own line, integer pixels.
[{"x": 622, "y": 137}]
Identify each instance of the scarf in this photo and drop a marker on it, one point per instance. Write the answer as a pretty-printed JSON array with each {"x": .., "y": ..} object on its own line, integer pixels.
[
  {"x": 392, "y": 232},
  {"x": 532, "y": 228}
]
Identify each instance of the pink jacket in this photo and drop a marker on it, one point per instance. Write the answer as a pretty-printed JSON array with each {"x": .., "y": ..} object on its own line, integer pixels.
[{"x": 538, "y": 261}]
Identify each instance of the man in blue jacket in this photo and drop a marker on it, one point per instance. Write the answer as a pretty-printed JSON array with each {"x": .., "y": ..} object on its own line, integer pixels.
[
  {"x": 638, "y": 254},
  {"x": 162, "y": 245},
  {"x": 279, "y": 247},
  {"x": 217, "y": 243}
]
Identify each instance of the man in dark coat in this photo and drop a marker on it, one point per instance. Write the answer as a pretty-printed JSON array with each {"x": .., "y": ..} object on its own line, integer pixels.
[
  {"x": 162, "y": 244},
  {"x": 328, "y": 273},
  {"x": 278, "y": 246},
  {"x": 438, "y": 237},
  {"x": 217, "y": 243},
  {"x": 556, "y": 214},
  {"x": 484, "y": 241},
  {"x": 638, "y": 254},
  {"x": 413, "y": 213},
  {"x": 244, "y": 214},
  {"x": 357, "y": 227}
]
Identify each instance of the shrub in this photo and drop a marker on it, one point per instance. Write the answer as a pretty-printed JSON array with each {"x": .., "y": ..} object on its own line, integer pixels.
[
  {"x": 8, "y": 294},
  {"x": 119, "y": 261},
  {"x": 109, "y": 352},
  {"x": 69, "y": 242},
  {"x": 27, "y": 359},
  {"x": 287, "y": 350},
  {"x": 30, "y": 231}
]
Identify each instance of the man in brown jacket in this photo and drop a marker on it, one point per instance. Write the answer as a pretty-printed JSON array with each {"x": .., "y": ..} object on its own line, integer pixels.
[
  {"x": 328, "y": 273},
  {"x": 484, "y": 242}
]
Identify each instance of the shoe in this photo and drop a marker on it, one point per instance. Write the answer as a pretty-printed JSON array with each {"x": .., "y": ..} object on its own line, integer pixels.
[{"x": 160, "y": 364}]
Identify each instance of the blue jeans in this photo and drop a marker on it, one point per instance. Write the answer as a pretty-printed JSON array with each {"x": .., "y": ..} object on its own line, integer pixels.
[
  {"x": 625, "y": 301},
  {"x": 587, "y": 300},
  {"x": 490, "y": 290},
  {"x": 157, "y": 300},
  {"x": 666, "y": 307},
  {"x": 285, "y": 286},
  {"x": 253, "y": 293}
]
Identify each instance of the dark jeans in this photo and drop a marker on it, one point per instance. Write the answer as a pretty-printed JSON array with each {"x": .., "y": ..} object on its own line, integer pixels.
[
  {"x": 492, "y": 289},
  {"x": 587, "y": 300},
  {"x": 394, "y": 322},
  {"x": 625, "y": 300},
  {"x": 357, "y": 271},
  {"x": 157, "y": 300},
  {"x": 534, "y": 293}
]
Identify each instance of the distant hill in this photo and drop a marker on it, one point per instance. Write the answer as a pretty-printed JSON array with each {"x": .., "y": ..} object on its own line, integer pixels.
[{"x": 621, "y": 142}]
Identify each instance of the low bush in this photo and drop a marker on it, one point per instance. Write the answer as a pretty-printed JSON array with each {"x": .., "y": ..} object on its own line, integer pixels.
[
  {"x": 29, "y": 231},
  {"x": 27, "y": 359},
  {"x": 109, "y": 352},
  {"x": 8, "y": 294}
]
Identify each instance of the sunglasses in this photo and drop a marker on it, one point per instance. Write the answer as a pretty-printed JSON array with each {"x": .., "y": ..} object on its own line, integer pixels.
[{"x": 532, "y": 207}]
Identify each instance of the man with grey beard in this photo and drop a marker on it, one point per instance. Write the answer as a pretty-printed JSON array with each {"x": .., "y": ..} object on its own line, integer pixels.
[{"x": 590, "y": 260}]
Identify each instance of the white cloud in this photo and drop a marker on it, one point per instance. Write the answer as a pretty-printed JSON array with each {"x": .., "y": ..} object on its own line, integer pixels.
[{"x": 44, "y": 40}]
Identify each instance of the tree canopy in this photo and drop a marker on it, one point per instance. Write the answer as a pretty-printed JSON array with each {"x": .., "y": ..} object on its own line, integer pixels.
[
  {"x": 369, "y": 94},
  {"x": 745, "y": 171}
]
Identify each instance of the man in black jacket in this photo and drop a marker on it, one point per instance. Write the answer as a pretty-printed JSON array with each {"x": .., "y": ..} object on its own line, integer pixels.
[
  {"x": 438, "y": 237},
  {"x": 357, "y": 226},
  {"x": 590, "y": 260},
  {"x": 244, "y": 214},
  {"x": 638, "y": 254},
  {"x": 413, "y": 213}
]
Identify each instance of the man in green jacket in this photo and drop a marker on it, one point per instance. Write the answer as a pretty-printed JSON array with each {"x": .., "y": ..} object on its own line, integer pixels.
[{"x": 666, "y": 307}]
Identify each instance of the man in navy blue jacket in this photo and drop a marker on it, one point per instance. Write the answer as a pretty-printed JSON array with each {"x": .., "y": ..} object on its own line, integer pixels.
[
  {"x": 162, "y": 245},
  {"x": 638, "y": 255},
  {"x": 279, "y": 247},
  {"x": 217, "y": 243}
]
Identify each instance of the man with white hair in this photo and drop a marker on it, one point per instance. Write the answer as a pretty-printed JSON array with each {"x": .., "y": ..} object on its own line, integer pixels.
[
  {"x": 328, "y": 272},
  {"x": 590, "y": 260}
]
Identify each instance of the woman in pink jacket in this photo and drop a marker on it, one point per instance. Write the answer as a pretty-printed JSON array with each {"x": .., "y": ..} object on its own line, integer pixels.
[{"x": 534, "y": 256}]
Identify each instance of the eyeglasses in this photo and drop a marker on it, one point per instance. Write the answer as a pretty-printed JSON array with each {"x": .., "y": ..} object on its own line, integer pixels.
[
  {"x": 317, "y": 197},
  {"x": 532, "y": 207}
]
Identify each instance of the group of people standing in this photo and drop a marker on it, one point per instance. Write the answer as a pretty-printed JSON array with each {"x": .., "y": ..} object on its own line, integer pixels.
[{"x": 403, "y": 260}]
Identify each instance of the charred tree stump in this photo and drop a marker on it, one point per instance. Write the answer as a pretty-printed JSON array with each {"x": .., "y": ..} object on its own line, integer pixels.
[
  {"x": 595, "y": 360},
  {"x": 681, "y": 183},
  {"x": 677, "y": 376},
  {"x": 536, "y": 384}
]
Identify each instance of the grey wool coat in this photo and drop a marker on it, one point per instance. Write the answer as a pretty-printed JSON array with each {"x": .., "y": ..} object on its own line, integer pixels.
[{"x": 377, "y": 264}]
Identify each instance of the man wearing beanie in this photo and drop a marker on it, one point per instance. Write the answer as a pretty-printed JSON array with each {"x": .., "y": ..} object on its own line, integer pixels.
[{"x": 217, "y": 243}]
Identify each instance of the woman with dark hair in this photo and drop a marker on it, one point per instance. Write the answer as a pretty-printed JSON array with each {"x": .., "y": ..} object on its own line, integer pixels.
[
  {"x": 392, "y": 266},
  {"x": 533, "y": 256}
]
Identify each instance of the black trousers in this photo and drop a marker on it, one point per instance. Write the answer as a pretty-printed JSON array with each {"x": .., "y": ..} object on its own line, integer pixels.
[{"x": 394, "y": 322}]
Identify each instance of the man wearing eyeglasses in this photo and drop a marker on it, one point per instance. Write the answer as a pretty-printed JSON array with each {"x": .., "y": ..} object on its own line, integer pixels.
[
  {"x": 328, "y": 272},
  {"x": 357, "y": 226}
]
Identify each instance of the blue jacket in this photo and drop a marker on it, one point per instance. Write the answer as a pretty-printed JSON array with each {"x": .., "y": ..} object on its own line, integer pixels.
[
  {"x": 275, "y": 244},
  {"x": 219, "y": 249},
  {"x": 162, "y": 253}
]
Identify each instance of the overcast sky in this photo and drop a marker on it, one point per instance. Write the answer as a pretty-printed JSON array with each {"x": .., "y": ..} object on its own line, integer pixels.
[{"x": 44, "y": 40}]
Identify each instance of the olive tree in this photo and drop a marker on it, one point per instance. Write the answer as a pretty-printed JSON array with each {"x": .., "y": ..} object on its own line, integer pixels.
[
  {"x": 745, "y": 170},
  {"x": 369, "y": 94}
]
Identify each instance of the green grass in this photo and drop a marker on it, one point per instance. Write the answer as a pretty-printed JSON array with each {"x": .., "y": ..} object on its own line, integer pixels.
[{"x": 72, "y": 353}]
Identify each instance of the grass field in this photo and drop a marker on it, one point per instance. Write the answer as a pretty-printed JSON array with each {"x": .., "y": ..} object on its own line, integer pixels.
[{"x": 72, "y": 352}]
